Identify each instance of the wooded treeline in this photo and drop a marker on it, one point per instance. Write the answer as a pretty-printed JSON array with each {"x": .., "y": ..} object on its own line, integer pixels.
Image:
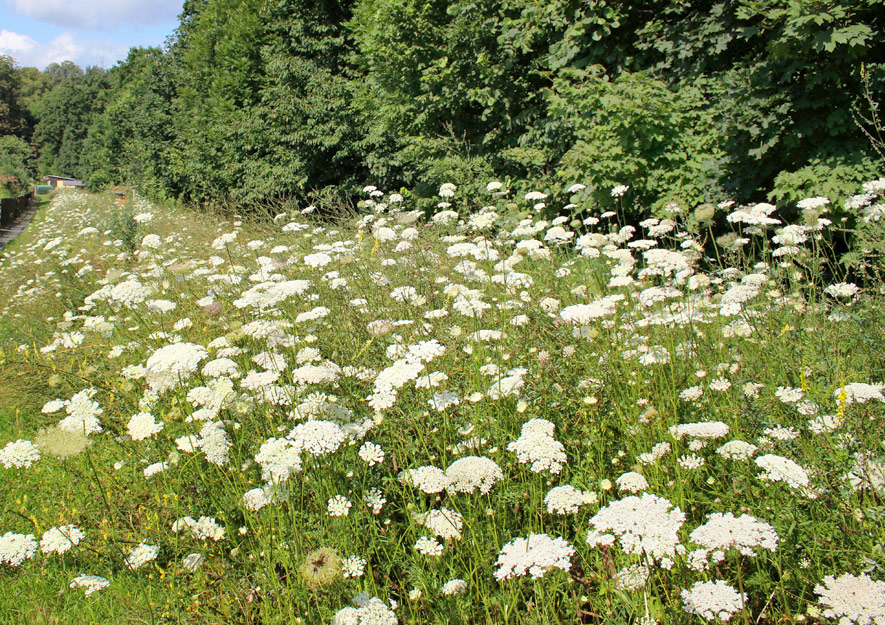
[{"x": 253, "y": 100}]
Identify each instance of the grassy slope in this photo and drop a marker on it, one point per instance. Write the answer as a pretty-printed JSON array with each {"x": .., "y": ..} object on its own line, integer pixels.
[{"x": 596, "y": 394}]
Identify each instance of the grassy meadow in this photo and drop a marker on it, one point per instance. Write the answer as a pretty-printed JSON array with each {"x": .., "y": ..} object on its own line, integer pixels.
[{"x": 509, "y": 411}]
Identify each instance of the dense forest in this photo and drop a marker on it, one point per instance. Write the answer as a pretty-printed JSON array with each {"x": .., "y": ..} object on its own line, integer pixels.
[{"x": 252, "y": 101}]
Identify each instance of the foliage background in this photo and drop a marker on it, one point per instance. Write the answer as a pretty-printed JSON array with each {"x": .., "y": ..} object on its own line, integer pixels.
[{"x": 256, "y": 100}]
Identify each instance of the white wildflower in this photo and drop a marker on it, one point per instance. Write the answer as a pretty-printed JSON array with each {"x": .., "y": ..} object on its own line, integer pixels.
[{"x": 534, "y": 556}]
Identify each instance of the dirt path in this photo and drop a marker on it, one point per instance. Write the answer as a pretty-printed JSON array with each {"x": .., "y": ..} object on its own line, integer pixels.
[{"x": 16, "y": 228}]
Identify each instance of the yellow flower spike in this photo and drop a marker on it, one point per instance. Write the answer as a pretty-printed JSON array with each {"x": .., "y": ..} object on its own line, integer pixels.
[
  {"x": 802, "y": 380},
  {"x": 840, "y": 411},
  {"x": 375, "y": 247},
  {"x": 366, "y": 346}
]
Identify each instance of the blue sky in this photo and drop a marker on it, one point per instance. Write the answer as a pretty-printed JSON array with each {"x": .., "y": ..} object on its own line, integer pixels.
[{"x": 89, "y": 32}]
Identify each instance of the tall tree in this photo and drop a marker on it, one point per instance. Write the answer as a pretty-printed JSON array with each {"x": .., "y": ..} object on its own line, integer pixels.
[
  {"x": 70, "y": 109},
  {"x": 12, "y": 115},
  {"x": 307, "y": 129}
]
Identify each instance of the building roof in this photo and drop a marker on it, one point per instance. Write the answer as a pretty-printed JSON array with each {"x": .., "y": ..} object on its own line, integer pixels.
[{"x": 60, "y": 177}]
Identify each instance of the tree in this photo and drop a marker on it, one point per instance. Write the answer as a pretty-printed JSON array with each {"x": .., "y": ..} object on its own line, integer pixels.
[
  {"x": 128, "y": 140},
  {"x": 12, "y": 115},
  {"x": 306, "y": 127},
  {"x": 455, "y": 77},
  {"x": 69, "y": 111},
  {"x": 14, "y": 155}
]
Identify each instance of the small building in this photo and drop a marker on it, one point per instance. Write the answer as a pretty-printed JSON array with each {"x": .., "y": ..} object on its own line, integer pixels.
[{"x": 62, "y": 182}]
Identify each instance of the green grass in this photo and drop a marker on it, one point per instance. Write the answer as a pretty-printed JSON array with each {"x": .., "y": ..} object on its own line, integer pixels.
[{"x": 612, "y": 387}]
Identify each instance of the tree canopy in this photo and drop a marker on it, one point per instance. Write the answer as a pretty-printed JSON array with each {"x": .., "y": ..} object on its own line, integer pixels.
[{"x": 255, "y": 100}]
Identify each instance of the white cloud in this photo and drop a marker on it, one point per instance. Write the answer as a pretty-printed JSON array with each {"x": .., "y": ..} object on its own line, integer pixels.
[
  {"x": 16, "y": 45},
  {"x": 98, "y": 15},
  {"x": 65, "y": 47}
]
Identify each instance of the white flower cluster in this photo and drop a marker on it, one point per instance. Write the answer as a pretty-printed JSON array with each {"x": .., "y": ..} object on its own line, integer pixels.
[
  {"x": 20, "y": 454},
  {"x": 142, "y": 426},
  {"x": 733, "y": 300},
  {"x": 657, "y": 452},
  {"x": 202, "y": 529},
  {"x": 82, "y": 412},
  {"x": 781, "y": 433},
  {"x": 454, "y": 587},
  {"x": 713, "y": 600},
  {"x": 444, "y": 523},
  {"x": 266, "y": 295},
  {"x": 842, "y": 289},
  {"x": 128, "y": 293},
  {"x": 737, "y": 450},
  {"x": 428, "y": 546},
  {"x": 353, "y": 566},
  {"x": 632, "y": 481},
  {"x": 400, "y": 372},
  {"x": 646, "y": 525},
  {"x": 703, "y": 430},
  {"x": 371, "y": 453},
  {"x": 338, "y": 506},
  {"x": 278, "y": 458},
  {"x": 472, "y": 473},
  {"x": 537, "y": 446},
  {"x": 171, "y": 365},
  {"x": 690, "y": 462},
  {"x": 89, "y": 583},
  {"x": 315, "y": 374},
  {"x": 255, "y": 499},
  {"x": 789, "y": 394},
  {"x": 371, "y": 611},
  {"x": 780, "y": 469},
  {"x": 374, "y": 500},
  {"x": 465, "y": 475},
  {"x": 427, "y": 479},
  {"x": 534, "y": 556},
  {"x": 16, "y": 548},
  {"x": 317, "y": 437},
  {"x": 568, "y": 499},
  {"x": 61, "y": 539},
  {"x": 141, "y": 554},
  {"x": 859, "y": 392},
  {"x": 853, "y": 599},
  {"x": 583, "y": 314},
  {"x": 157, "y": 467},
  {"x": 756, "y": 215},
  {"x": 723, "y": 532},
  {"x": 215, "y": 443},
  {"x": 632, "y": 577},
  {"x": 692, "y": 393}
]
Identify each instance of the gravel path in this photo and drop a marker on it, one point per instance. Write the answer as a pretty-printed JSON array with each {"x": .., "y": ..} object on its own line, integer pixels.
[{"x": 15, "y": 229}]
